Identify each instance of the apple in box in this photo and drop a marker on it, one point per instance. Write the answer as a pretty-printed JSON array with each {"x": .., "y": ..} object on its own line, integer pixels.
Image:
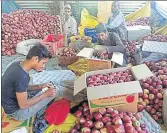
[{"x": 98, "y": 95}]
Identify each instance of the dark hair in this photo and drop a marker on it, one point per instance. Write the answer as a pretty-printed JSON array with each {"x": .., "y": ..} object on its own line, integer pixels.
[{"x": 40, "y": 51}]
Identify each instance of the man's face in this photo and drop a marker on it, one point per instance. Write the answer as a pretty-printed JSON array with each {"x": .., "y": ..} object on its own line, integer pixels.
[
  {"x": 67, "y": 12},
  {"x": 115, "y": 7},
  {"x": 39, "y": 65},
  {"x": 102, "y": 36}
]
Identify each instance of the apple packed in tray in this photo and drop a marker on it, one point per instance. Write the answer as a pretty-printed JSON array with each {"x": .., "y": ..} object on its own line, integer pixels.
[
  {"x": 107, "y": 120},
  {"x": 102, "y": 56},
  {"x": 110, "y": 78},
  {"x": 68, "y": 52}
]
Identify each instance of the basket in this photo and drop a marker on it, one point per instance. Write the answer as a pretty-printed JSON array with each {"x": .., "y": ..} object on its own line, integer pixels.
[
  {"x": 64, "y": 60},
  {"x": 81, "y": 38},
  {"x": 54, "y": 46}
]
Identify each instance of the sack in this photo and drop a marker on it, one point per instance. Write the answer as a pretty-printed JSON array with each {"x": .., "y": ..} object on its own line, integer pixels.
[
  {"x": 24, "y": 46},
  {"x": 87, "y": 21}
]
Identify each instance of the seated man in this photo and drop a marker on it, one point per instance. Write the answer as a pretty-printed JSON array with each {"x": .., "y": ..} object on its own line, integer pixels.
[
  {"x": 70, "y": 25},
  {"x": 15, "y": 84},
  {"x": 116, "y": 22}
]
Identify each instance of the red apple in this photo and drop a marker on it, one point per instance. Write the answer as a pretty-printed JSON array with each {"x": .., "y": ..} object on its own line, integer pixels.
[
  {"x": 85, "y": 130},
  {"x": 140, "y": 107},
  {"x": 103, "y": 130},
  {"x": 155, "y": 91},
  {"x": 150, "y": 88},
  {"x": 98, "y": 116},
  {"x": 86, "y": 108},
  {"x": 145, "y": 96},
  {"x": 155, "y": 117},
  {"x": 108, "y": 124},
  {"x": 102, "y": 111},
  {"x": 117, "y": 120},
  {"x": 109, "y": 110},
  {"x": 159, "y": 114},
  {"x": 156, "y": 106},
  {"x": 141, "y": 94},
  {"x": 151, "y": 96},
  {"x": 152, "y": 111},
  {"x": 88, "y": 124},
  {"x": 156, "y": 100},
  {"x": 160, "y": 103},
  {"x": 119, "y": 128},
  {"x": 146, "y": 101},
  {"x": 130, "y": 114},
  {"x": 138, "y": 128},
  {"x": 95, "y": 131},
  {"x": 98, "y": 124},
  {"x": 114, "y": 113},
  {"x": 129, "y": 129},
  {"x": 78, "y": 113},
  {"x": 146, "y": 91},
  {"x": 133, "y": 118},
  {"x": 106, "y": 119},
  {"x": 148, "y": 108},
  {"x": 159, "y": 95},
  {"x": 110, "y": 129},
  {"x": 145, "y": 85},
  {"x": 86, "y": 113},
  {"x": 138, "y": 116},
  {"x": 71, "y": 131},
  {"x": 126, "y": 119},
  {"x": 159, "y": 87},
  {"x": 82, "y": 120}
]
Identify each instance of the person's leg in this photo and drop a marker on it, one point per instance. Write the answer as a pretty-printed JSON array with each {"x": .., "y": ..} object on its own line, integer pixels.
[{"x": 24, "y": 114}]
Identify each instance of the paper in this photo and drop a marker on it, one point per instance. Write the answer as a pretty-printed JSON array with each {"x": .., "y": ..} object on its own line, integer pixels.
[{"x": 117, "y": 58}]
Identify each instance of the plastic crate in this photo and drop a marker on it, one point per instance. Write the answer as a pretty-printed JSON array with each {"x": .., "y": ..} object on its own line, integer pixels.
[
  {"x": 92, "y": 33},
  {"x": 54, "y": 46}
]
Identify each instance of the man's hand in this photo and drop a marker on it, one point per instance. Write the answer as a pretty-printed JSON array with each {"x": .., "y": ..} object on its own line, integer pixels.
[
  {"x": 50, "y": 92},
  {"x": 49, "y": 85}
]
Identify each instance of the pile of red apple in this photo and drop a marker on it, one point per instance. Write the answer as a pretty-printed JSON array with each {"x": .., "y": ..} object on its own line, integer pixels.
[
  {"x": 67, "y": 52},
  {"x": 152, "y": 97},
  {"x": 155, "y": 37},
  {"x": 140, "y": 21},
  {"x": 107, "y": 121},
  {"x": 130, "y": 51},
  {"x": 110, "y": 78},
  {"x": 102, "y": 56}
]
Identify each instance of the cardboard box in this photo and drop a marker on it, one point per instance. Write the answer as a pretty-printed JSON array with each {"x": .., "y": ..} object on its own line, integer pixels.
[
  {"x": 121, "y": 96},
  {"x": 98, "y": 64},
  {"x": 136, "y": 32},
  {"x": 165, "y": 108}
]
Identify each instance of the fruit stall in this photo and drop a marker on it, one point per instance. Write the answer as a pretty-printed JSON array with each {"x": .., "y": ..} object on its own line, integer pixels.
[{"x": 95, "y": 93}]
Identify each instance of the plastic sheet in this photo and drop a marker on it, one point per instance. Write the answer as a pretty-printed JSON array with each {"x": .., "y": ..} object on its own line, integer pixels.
[{"x": 140, "y": 13}]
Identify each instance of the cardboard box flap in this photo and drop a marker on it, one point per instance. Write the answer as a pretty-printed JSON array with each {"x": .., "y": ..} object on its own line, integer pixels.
[
  {"x": 114, "y": 90},
  {"x": 141, "y": 71},
  {"x": 80, "y": 84},
  {"x": 117, "y": 57},
  {"x": 86, "y": 52}
]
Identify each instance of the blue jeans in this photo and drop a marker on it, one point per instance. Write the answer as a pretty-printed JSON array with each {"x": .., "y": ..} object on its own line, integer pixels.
[{"x": 24, "y": 114}]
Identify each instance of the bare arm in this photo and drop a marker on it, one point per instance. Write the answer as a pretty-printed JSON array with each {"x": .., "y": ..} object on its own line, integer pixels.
[
  {"x": 38, "y": 87},
  {"x": 34, "y": 87},
  {"x": 26, "y": 103}
]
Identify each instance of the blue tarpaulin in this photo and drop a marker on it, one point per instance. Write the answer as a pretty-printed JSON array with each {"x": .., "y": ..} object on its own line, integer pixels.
[
  {"x": 158, "y": 16},
  {"x": 9, "y": 6}
]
